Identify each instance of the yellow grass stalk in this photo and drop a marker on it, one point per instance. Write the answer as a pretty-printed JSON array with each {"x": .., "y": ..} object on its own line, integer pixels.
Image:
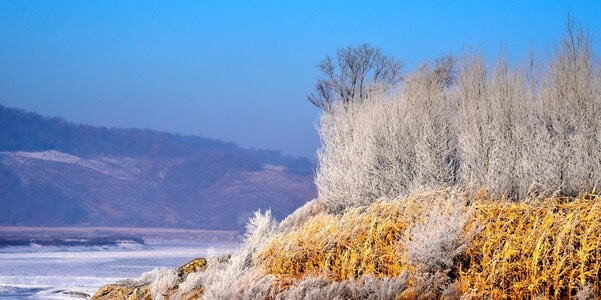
[{"x": 536, "y": 248}]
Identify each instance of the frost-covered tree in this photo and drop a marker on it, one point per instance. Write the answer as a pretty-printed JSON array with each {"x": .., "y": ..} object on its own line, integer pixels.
[{"x": 354, "y": 73}]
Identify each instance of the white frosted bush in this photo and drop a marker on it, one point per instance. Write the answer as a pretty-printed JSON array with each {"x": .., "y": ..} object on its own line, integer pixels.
[
  {"x": 527, "y": 131},
  {"x": 153, "y": 275},
  {"x": 388, "y": 145},
  {"x": 166, "y": 281},
  {"x": 191, "y": 282},
  {"x": 160, "y": 280},
  {"x": 585, "y": 293},
  {"x": 366, "y": 287},
  {"x": 219, "y": 278},
  {"x": 255, "y": 284},
  {"x": 436, "y": 241}
]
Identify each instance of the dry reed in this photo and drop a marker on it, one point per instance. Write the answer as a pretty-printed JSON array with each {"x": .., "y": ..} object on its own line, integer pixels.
[{"x": 549, "y": 248}]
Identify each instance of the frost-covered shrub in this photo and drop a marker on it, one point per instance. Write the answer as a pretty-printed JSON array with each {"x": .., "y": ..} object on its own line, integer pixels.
[
  {"x": 256, "y": 284},
  {"x": 435, "y": 242},
  {"x": 152, "y": 275},
  {"x": 367, "y": 287},
  {"x": 388, "y": 145},
  {"x": 191, "y": 282},
  {"x": 160, "y": 280},
  {"x": 165, "y": 282},
  {"x": 219, "y": 277},
  {"x": 528, "y": 131}
]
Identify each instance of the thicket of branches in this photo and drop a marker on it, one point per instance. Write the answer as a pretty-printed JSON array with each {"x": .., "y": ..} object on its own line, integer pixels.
[
  {"x": 527, "y": 130},
  {"x": 354, "y": 75}
]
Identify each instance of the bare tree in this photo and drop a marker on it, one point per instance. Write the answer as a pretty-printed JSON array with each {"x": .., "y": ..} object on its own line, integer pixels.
[{"x": 353, "y": 75}]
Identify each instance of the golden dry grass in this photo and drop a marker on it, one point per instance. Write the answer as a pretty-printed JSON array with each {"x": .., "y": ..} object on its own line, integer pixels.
[
  {"x": 547, "y": 248},
  {"x": 358, "y": 242},
  {"x": 313, "y": 250},
  {"x": 361, "y": 241}
]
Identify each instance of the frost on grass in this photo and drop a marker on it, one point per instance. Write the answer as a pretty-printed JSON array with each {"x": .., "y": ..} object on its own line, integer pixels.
[
  {"x": 192, "y": 281},
  {"x": 160, "y": 280},
  {"x": 165, "y": 282},
  {"x": 435, "y": 242},
  {"x": 152, "y": 275},
  {"x": 366, "y": 287},
  {"x": 585, "y": 293},
  {"x": 219, "y": 277}
]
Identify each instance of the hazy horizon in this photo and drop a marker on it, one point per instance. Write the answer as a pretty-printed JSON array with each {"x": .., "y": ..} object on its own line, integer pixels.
[{"x": 237, "y": 71}]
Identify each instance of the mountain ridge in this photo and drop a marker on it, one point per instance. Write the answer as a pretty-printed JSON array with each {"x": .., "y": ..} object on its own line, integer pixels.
[{"x": 57, "y": 173}]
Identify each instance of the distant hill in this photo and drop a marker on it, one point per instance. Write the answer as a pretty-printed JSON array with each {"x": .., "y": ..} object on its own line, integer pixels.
[{"x": 56, "y": 173}]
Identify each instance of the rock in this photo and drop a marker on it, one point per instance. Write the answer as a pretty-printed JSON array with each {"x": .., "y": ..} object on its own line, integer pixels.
[
  {"x": 124, "y": 292},
  {"x": 196, "y": 265}
]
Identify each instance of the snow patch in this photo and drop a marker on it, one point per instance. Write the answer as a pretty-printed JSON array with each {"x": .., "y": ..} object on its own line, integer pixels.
[{"x": 120, "y": 168}]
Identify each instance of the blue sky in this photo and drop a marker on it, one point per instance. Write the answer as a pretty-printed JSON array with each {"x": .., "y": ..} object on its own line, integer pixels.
[{"x": 238, "y": 70}]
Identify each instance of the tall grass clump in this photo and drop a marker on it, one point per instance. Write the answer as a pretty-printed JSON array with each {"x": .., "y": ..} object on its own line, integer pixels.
[
  {"x": 530, "y": 130},
  {"x": 409, "y": 244},
  {"x": 536, "y": 248},
  {"x": 441, "y": 245}
]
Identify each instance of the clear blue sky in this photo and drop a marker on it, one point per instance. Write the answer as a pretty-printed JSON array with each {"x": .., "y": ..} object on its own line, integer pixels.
[{"x": 237, "y": 70}]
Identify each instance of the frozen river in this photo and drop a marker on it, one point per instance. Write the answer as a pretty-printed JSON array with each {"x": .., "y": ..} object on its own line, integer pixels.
[{"x": 71, "y": 272}]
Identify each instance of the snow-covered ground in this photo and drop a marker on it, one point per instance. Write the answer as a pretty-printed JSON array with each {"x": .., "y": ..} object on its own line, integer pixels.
[
  {"x": 121, "y": 168},
  {"x": 69, "y": 273}
]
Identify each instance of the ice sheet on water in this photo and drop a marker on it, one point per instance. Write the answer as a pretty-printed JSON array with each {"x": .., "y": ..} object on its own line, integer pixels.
[
  {"x": 25, "y": 292},
  {"x": 68, "y": 274},
  {"x": 12, "y": 292}
]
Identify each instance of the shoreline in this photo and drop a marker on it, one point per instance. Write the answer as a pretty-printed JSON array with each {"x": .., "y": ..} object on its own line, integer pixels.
[{"x": 149, "y": 235}]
